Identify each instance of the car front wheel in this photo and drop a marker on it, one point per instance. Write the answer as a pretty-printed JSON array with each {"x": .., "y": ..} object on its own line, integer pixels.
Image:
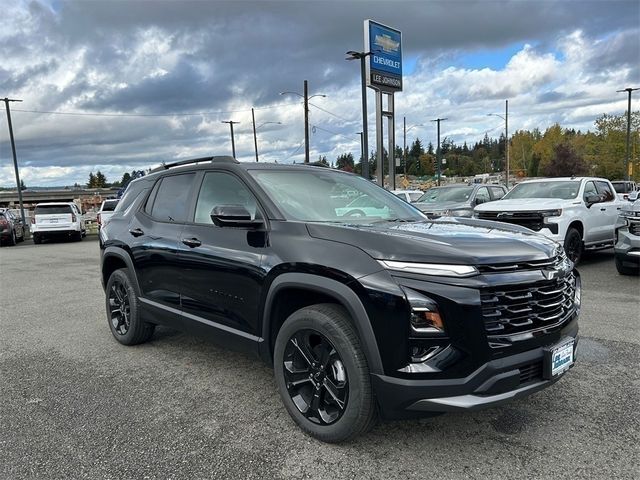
[
  {"x": 322, "y": 374},
  {"x": 123, "y": 310},
  {"x": 573, "y": 245}
]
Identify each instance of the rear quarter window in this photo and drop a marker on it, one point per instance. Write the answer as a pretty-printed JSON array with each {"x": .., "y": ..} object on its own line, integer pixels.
[{"x": 109, "y": 206}]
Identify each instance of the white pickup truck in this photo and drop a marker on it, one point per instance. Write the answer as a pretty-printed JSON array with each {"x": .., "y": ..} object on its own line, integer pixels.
[{"x": 578, "y": 212}]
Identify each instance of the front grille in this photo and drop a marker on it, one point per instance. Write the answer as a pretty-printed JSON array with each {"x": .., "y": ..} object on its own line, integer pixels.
[
  {"x": 551, "y": 263},
  {"x": 531, "y": 220},
  {"x": 531, "y": 372},
  {"x": 634, "y": 228},
  {"x": 540, "y": 306}
]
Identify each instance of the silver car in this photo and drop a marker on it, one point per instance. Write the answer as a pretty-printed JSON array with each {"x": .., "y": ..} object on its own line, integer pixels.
[
  {"x": 627, "y": 248},
  {"x": 457, "y": 200}
]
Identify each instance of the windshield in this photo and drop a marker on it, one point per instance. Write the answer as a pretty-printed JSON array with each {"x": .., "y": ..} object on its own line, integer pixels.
[
  {"x": 562, "y": 190},
  {"x": 326, "y": 196},
  {"x": 446, "y": 194}
]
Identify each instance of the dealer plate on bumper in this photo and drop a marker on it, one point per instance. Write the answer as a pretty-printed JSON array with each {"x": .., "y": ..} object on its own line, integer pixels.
[{"x": 558, "y": 358}]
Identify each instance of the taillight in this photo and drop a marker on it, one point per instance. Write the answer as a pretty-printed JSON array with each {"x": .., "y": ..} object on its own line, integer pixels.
[
  {"x": 99, "y": 220},
  {"x": 33, "y": 220},
  {"x": 73, "y": 217},
  {"x": 4, "y": 222}
]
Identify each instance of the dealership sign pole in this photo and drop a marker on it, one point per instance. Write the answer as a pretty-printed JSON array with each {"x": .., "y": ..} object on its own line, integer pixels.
[{"x": 384, "y": 75}]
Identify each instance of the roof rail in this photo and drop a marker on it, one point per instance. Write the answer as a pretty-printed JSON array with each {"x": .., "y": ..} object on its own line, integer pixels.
[{"x": 216, "y": 159}]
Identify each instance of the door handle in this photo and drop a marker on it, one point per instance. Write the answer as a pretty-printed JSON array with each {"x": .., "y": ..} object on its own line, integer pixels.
[
  {"x": 619, "y": 208},
  {"x": 603, "y": 209},
  {"x": 136, "y": 232},
  {"x": 191, "y": 242}
]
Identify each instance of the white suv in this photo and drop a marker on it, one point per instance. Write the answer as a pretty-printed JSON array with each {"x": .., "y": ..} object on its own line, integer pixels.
[
  {"x": 579, "y": 213},
  {"x": 57, "y": 219}
]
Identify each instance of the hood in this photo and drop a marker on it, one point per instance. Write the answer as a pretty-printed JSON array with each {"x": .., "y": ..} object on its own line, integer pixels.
[
  {"x": 458, "y": 241},
  {"x": 524, "y": 204},
  {"x": 440, "y": 206}
]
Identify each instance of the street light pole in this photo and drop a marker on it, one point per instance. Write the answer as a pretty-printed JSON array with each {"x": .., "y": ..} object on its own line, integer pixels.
[
  {"x": 404, "y": 143},
  {"x": 506, "y": 139},
  {"x": 255, "y": 136},
  {"x": 627, "y": 158},
  {"x": 306, "y": 98},
  {"x": 362, "y": 150},
  {"x": 362, "y": 56},
  {"x": 233, "y": 142},
  {"x": 438, "y": 120},
  {"x": 15, "y": 159}
]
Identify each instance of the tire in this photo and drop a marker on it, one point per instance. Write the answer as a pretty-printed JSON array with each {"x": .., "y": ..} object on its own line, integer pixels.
[
  {"x": 324, "y": 332},
  {"x": 77, "y": 236},
  {"x": 624, "y": 270},
  {"x": 13, "y": 239},
  {"x": 127, "y": 328},
  {"x": 573, "y": 245},
  {"x": 37, "y": 239}
]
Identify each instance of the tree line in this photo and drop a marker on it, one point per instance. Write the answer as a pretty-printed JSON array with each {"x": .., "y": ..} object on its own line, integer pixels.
[{"x": 532, "y": 153}]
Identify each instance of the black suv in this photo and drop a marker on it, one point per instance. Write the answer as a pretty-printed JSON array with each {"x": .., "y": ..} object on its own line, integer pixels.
[{"x": 381, "y": 314}]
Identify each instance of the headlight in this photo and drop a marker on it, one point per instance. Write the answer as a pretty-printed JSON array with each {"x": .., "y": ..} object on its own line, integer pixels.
[
  {"x": 551, "y": 213},
  {"x": 437, "y": 269},
  {"x": 425, "y": 316}
]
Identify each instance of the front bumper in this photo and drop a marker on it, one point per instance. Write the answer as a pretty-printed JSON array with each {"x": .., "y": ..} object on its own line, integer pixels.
[
  {"x": 494, "y": 383},
  {"x": 627, "y": 248}
]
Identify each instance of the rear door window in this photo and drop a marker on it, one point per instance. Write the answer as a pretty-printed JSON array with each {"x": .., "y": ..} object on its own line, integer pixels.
[
  {"x": 173, "y": 193},
  {"x": 482, "y": 196},
  {"x": 52, "y": 209}
]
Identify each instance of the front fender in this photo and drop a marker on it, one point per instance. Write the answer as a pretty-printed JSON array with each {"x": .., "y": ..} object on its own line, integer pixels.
[{"x": 341, "y": 293}]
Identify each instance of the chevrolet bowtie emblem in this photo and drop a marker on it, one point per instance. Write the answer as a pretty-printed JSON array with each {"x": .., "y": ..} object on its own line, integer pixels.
[{"x": 386, "y": 43}]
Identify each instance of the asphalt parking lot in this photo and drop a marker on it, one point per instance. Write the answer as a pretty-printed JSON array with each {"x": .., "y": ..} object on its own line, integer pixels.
[{"x": 76, "y": 404}]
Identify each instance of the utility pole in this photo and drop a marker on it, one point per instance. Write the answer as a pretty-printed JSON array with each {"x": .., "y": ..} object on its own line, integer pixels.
[
  {"x": 438, "y": 120},
  {"x": 233, "y": 142},
  {"x": 306, "y": 122},
  {"x": 364, "y": 160},
  {"x": 15, "y": 159},
  {"x": 506, "y": 140},
  {"x": 404, "y": 145},
  {"x": 362, "y": 56},
  {"x": 255, "y": 137},
  {"x": 306, "y": 98},
  {"x": 627, "y": 158}
]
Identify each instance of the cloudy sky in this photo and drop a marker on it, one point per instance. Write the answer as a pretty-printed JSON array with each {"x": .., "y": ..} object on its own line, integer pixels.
[{"x": 157, "y": 78}]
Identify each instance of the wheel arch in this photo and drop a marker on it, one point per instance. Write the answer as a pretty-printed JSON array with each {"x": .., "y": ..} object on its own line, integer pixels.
[
  {"x": 114, "y": 258},
  {"x": 577, "y": 224},
  {"x": 322, "y": 289}
]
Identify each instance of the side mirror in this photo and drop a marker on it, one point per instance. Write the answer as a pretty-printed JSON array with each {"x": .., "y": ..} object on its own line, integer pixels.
[
  {"x": 233, "y": 216},
  {"x": 591, "y": 199}
]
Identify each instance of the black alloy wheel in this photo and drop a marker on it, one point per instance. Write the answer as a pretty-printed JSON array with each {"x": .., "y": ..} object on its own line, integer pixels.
[
  {"x": 573, "y": 245},
  {"x": 323, "y": 375},
  {"x": 119, "y": 308},
  {"x": 315, "y": 377},
  {"x": 123, "y": 310}
]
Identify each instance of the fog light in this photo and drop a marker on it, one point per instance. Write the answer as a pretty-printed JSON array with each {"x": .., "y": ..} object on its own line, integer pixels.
[{"x": 426, "y": 320}]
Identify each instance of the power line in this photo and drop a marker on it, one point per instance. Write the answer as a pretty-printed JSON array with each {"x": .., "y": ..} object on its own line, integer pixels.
[
  {"x": 330, "y": 113},
  {"x": 332, "y": 132},
  {"x": 177, "y": 114},
  {"x": 296, "y": 150}
]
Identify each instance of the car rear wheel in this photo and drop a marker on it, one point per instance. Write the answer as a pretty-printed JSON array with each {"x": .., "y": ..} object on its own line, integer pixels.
[
  {"x": 13, "y": 239},
  {"x": 322, "y": 374},
  {"x": 624, "y": 270},
  {"x": 573, "y": 245},
  {"x": 37, "y": 239},
  {"x": 123, "y": 310}
]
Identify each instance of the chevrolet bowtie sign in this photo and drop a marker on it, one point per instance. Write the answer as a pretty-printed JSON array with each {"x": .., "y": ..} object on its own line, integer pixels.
[{"x": 384, "y": 65}]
